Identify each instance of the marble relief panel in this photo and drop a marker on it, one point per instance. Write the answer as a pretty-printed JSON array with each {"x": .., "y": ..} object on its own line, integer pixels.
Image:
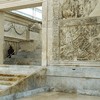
[
  {"x": 80, "y": 42},
  {"x": 77, "y": 37},
  {"x": 77, "y": 8}
]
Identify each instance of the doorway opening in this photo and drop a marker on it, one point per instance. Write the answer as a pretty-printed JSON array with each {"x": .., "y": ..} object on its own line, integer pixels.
[{"x": 22, "y": 36}]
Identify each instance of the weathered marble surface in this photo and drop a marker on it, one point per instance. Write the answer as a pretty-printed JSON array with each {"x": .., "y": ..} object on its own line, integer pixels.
[
  {"x": 75, "y": 35},
  {"x": 80, "y": 39},
  {"x": 72, "y": 79},
  {"x": 77, "y": 8},
  {"x": 35, "y": 78}
]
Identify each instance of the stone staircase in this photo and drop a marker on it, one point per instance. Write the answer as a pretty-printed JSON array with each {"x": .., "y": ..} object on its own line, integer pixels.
[
  {"x": 25, "y": 58},
  {"x": 14, "y": 78},
  {"x": 9, "y": 76},
  {"x": 7, "y": 80}
]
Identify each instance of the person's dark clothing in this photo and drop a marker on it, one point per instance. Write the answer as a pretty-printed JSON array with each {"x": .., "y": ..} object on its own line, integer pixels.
[{"x": 10, "y": 51}]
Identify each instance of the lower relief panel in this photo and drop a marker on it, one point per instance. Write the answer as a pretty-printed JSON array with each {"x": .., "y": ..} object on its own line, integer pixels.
[{"x": 80, "y": 42}]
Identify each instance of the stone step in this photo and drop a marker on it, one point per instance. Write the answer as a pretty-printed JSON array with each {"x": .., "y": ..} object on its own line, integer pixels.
[
  {"x": 16, "y": 71},
  {"x": 3, "y": 87},
  {"x": 6, "y": 78},
  {"x": 17, "y": 67},
  {"x": 10, "y": 83},
  {"x": 11, "y": 76},
  {"x": 7, "y": 83}
]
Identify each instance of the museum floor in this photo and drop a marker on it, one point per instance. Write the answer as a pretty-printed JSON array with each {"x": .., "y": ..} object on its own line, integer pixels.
[{"x": 60, "y": 96}]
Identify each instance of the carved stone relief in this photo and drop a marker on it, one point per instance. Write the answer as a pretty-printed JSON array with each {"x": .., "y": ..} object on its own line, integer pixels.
[
  {"x": 78, "y": 8},
  {"x": 77, "y": 36},
  {"x": 36, "y": 27},
  {"x": 80, "y": 42},
  {"x": 18, "y": 28},
  {"x": 21, "y": 29}
]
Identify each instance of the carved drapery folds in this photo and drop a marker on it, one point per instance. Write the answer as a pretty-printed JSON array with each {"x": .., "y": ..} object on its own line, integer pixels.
[{"x": 78, "y": 8}]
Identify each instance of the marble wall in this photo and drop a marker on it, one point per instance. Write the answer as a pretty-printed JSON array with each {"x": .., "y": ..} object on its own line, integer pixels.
[
  {"x": 71, "y": 79},
  {"x": 32, "y": 80},
  {"x": 75, "y": 35},
  {"x": 75, "y": 47}
]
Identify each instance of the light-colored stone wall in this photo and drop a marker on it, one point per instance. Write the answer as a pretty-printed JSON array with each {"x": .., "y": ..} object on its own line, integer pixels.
[
  {"x": 63, "y": 22},
  {"x": 76, "y": 72},
  {"x": 72, "y": 79},
  {"x": 28, "y": 78}
]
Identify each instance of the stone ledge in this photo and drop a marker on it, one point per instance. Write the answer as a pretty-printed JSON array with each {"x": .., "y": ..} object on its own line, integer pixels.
[
  {"x": 24, "y": 94},
  {"x": 74, "y": 72},
  {"x": 79, "y": 21}
]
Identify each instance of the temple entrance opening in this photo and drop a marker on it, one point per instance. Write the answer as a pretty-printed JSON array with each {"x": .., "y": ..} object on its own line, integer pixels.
[{"x": 22, "y": 36}]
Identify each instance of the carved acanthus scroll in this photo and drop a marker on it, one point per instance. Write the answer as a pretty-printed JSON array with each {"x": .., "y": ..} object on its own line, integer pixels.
[
  {"x": 81, "y": 42},
  {"x": 78, "y": 8}
]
